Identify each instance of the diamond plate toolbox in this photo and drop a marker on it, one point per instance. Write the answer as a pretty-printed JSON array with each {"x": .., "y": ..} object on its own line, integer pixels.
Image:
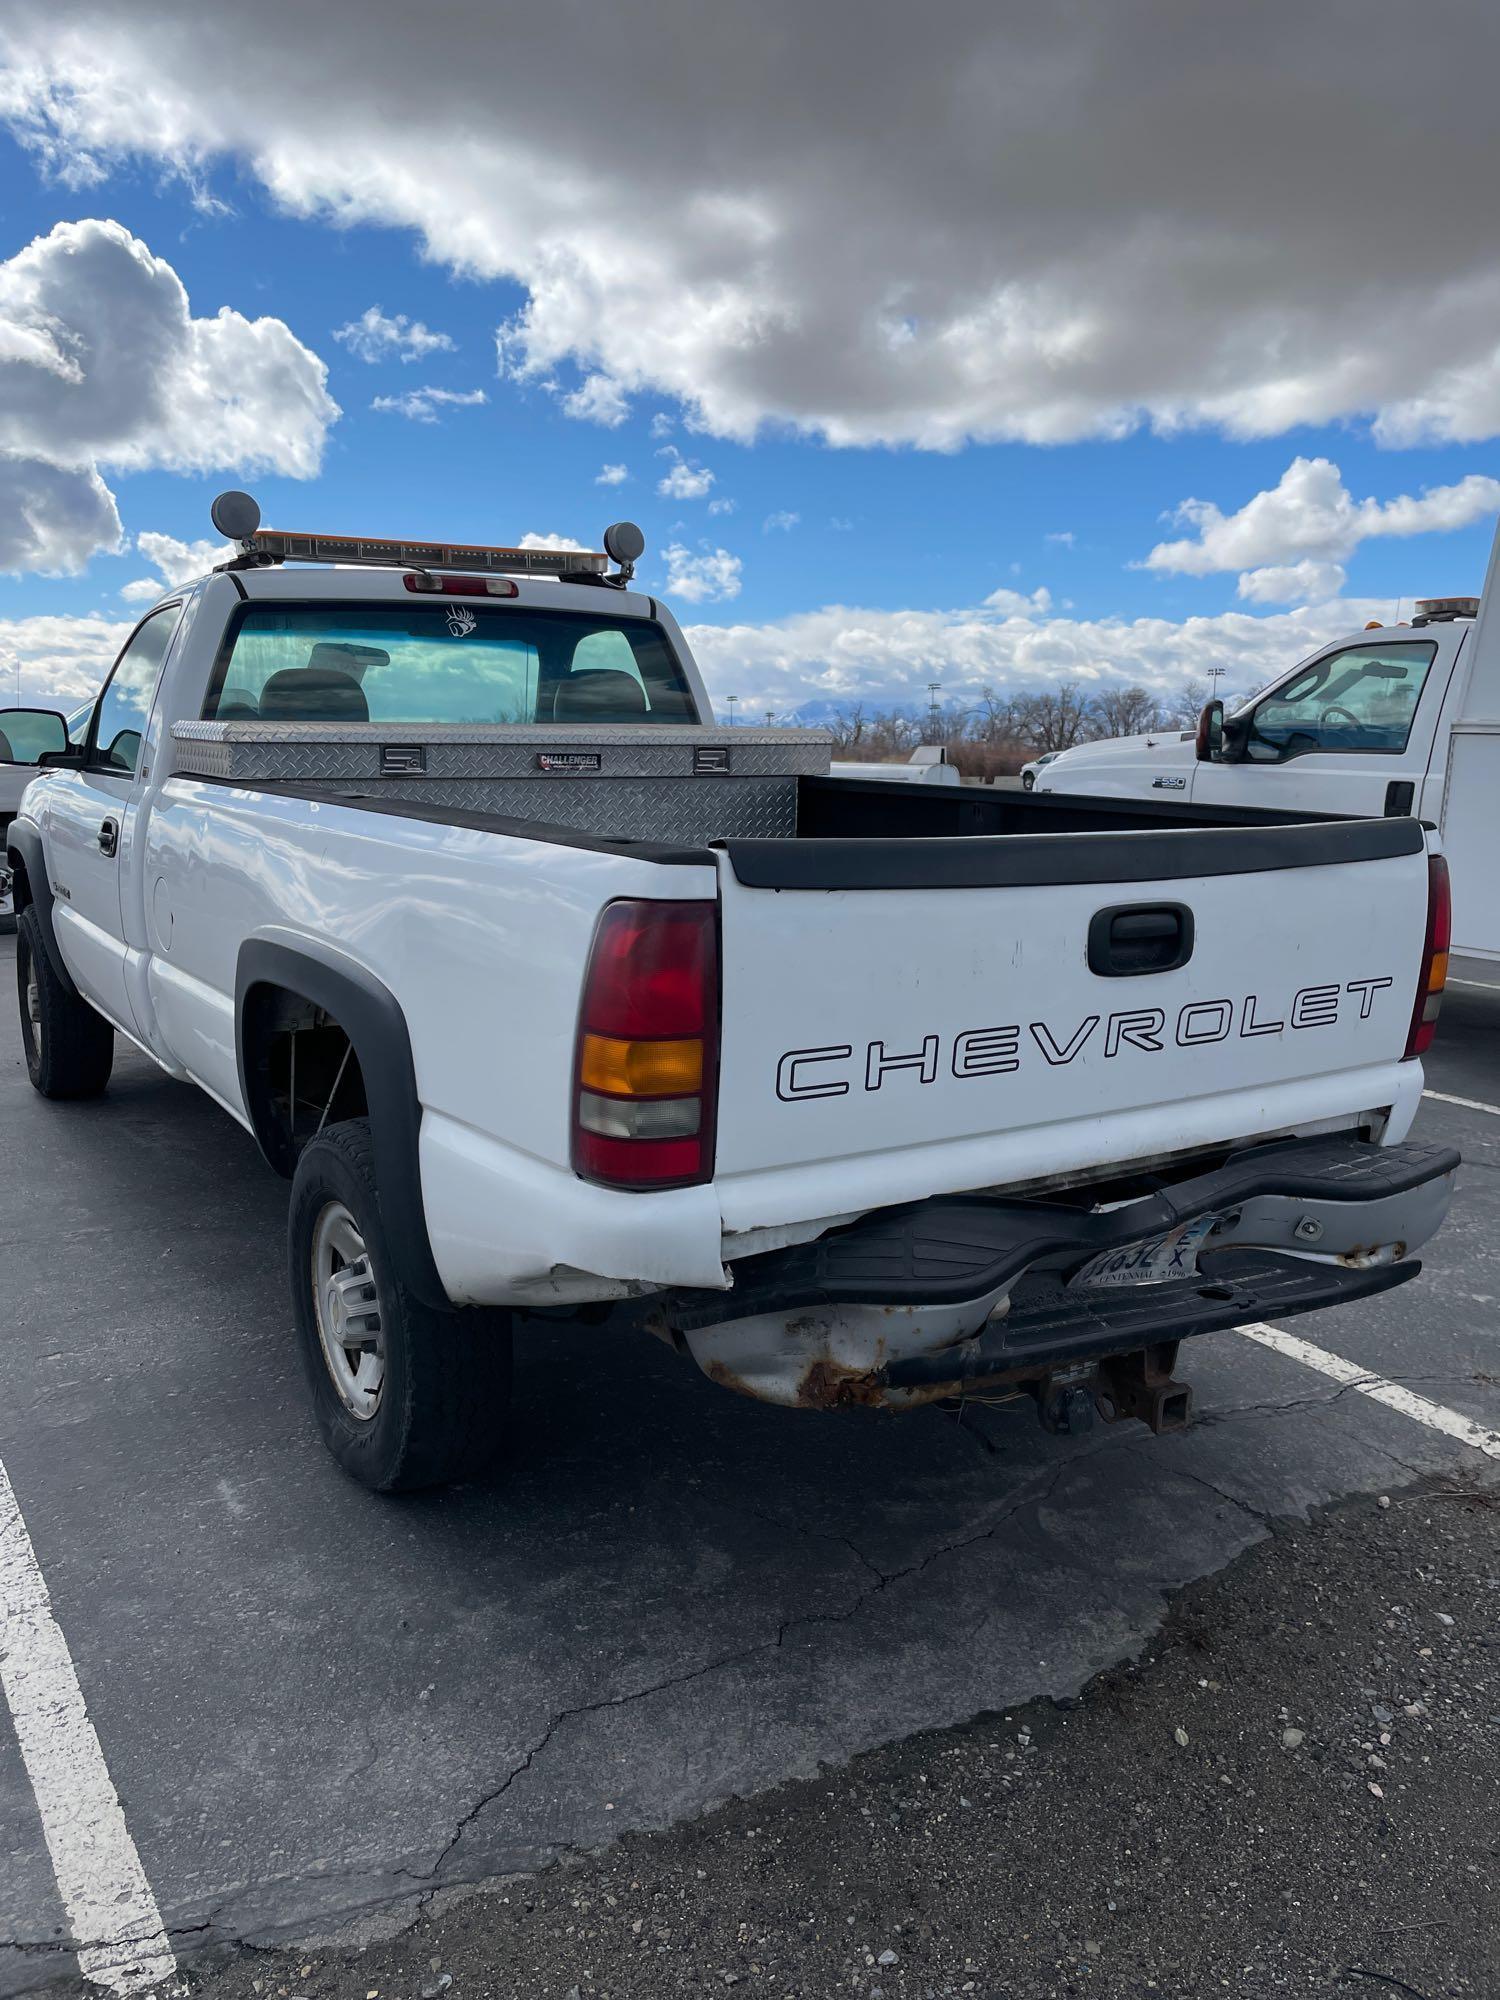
[{"x": 638, "y": 781}]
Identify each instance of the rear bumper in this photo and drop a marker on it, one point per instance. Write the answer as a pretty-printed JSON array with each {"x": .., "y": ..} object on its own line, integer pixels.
[{"x": 913, "y": 1303}]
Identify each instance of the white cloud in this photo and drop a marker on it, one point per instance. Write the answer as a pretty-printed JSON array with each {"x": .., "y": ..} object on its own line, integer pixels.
[
  {"x": 1018, "y": 604},
  {"x": 52, "y": 517},
  {"x": 535, "y": 541},
  {"x": 1306, "y": 582},
  {"x": 109, "y": 366},
  {"x": 1064, "y": 538},
  {"x": 1053, "y": 261},
  {"x": 684, "y": 478},
  {"x": 598, "y": 399},
  {"x": 711, "y": 575},
  {"x": 781, "y": 522},
  {"x": 612, "y": 475},
  {"x": 62, "y": 660},
  {"x": 1291, "y": 539},
  {"x": 662, "y": 425},
  {"x": 423, "y": 405},
  {"x": 105, "y": 366},
  {"x": 174, "y": 561},
  {"x": 374, "y": 336},
  {"x": 886, "y": 658},
  {"x": 723, "y": 505}
]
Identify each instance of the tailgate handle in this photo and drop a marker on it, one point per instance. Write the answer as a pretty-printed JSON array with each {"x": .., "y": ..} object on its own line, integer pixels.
[{"x": 1132, "y": 938}]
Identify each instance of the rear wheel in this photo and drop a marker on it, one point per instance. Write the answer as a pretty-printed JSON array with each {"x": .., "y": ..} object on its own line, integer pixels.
[
  {"x": 70, "y": 1050},
  {"x": 405, "y": 1396}
]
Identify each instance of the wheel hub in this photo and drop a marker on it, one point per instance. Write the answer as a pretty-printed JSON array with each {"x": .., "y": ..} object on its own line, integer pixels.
[{"x": 346, "y": 1300}]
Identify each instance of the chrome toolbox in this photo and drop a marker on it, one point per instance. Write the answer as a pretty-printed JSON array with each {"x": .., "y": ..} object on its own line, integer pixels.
[{"x": 636, "y": 781}]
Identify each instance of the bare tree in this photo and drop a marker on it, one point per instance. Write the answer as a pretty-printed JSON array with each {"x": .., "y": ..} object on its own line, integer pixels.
[
  {"x": 1054, "y": 720},
  {"x": 1130, "y": 711},
  {"x": 1183, "y": 708}
]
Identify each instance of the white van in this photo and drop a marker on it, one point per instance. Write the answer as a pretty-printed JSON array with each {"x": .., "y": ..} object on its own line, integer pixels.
[{"x": 1394, "y": 720}]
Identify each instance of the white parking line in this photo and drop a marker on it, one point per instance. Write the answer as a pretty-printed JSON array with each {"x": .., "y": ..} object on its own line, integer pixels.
[
  {"x": 115, "y": 1922},
  {"x": 1464, "y": 1103},
  {"x": 1480, "y": 985},
  {"x": 1435, "y": 1415}
]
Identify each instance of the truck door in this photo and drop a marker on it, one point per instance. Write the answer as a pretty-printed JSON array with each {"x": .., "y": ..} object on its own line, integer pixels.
[
  {"x": 1348, "y": 732},
  {"x": 86, "y": 811}
]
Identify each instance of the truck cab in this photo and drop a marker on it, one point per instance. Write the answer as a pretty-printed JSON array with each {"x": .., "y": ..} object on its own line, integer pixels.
[
  {"x": 1374, "y": 724},
  {"x": 1358, "y": 727}
]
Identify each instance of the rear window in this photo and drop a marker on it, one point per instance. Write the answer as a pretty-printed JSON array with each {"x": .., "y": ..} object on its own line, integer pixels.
[{"x": 449, "y": 661}]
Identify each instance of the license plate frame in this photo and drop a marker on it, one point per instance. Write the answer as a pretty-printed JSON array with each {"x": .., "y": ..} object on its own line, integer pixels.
[{"x": 1167, "y": 1259}]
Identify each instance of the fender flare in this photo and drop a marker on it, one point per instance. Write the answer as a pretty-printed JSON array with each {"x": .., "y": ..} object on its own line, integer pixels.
[
  {"x": 24, "y": 840},
  {"x": 371, "y": 1016}
]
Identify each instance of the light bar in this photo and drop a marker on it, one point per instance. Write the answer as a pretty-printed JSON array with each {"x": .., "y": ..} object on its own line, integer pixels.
[
  {"x": 1442, "y": 610},
  {"x": 282, "y": 545}
]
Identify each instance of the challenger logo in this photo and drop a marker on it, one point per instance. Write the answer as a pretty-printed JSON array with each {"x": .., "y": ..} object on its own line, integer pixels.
[{"x": 835, "y": 1070}]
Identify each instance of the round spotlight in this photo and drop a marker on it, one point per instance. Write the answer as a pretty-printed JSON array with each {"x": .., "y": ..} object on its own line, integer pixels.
[
  {"x": 235, "y": 515},
  {"x": 625, "y": 543}
]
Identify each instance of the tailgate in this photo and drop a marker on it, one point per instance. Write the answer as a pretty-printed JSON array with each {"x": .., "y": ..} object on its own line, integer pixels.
[{"x": 908, "y": 1017}]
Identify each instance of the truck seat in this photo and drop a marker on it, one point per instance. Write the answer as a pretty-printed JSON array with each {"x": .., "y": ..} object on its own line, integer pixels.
[
  {"x": 598, "y": 694},
  {"x": 313, "y": 694}
]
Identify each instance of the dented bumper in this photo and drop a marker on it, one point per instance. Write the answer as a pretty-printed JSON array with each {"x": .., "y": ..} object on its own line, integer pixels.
[{"x": 912, "y": 1304}]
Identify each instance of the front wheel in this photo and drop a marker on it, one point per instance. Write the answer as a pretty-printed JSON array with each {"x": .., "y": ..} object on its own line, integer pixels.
[
  {"x": 1028, "y": 779},
  {"x": 405, "y": 1396},
  {"x": 70, "y": 1050}
]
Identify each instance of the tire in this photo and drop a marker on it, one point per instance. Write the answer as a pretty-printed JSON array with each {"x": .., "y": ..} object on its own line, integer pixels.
[
  {"x": 420, "y": 1397},
  {"x": 1028, "y": 779},
  {"x": 70, "y": 1050}
]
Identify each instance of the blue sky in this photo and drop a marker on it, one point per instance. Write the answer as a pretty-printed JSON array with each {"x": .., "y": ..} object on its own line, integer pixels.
[{"x": 884, "y": 527}]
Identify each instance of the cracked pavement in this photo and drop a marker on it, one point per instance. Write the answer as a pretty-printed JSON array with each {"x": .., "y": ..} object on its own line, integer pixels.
[{"x": 324, "y": 1712}]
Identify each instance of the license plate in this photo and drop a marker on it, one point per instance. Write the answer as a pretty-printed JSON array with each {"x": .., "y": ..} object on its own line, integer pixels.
[{"x": 1157, "y": 1261}]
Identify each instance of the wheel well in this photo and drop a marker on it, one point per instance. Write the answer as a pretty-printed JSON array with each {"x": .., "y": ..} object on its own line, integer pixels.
[{"x": 302, "y": 1070}]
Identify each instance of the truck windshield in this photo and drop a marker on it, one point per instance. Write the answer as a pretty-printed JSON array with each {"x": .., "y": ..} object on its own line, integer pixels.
[{"x": 448, "y": 660}]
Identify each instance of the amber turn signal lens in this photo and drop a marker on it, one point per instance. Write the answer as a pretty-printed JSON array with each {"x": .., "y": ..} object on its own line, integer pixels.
[{"x": 641, "y": 1069}]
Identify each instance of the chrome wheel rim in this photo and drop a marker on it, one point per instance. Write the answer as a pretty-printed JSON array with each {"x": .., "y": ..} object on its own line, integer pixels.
[{"x": 346, "y": 1301}]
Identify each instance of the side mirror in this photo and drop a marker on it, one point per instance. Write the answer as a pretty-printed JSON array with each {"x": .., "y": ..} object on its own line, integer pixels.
[
  {"x": 29, "y": 734},
  {"x": 1210, "y": 742}
]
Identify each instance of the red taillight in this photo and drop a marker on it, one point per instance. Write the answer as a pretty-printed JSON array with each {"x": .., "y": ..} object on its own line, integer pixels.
[
  {"x": 1434, "y": 958},
  {"x": 459, "y": 586},
  {"x": 647, "y": 1058}
]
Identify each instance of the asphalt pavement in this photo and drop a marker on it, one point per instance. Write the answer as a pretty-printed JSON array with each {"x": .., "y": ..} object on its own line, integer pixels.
[{"x": 330, "y": 1717}]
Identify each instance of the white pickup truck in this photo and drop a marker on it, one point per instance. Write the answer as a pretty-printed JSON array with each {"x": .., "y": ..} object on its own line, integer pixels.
[
  {"x": 1395, "y": 719},
  {"x": 549, "y": 996}
]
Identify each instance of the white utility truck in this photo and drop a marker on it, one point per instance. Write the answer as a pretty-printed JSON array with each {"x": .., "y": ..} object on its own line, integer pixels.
[
  {"x": 1393, "y": 720},
  {"x": 549, "y": 996}
]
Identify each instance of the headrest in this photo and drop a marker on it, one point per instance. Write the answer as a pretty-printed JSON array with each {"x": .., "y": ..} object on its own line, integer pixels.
[
  {"x": 345, "y": 656},
  {"x": 599, "y": 694},
  {"x": 313, "y": 694}
]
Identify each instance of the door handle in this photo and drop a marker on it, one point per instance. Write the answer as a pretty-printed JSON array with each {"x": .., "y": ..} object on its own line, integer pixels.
[
  {"x": 1132, "y": 938},
  {"x": 109, "y": 837}
]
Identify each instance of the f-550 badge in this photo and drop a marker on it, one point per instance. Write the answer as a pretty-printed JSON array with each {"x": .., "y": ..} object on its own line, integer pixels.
[{"x": 1170, "y": 784}]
